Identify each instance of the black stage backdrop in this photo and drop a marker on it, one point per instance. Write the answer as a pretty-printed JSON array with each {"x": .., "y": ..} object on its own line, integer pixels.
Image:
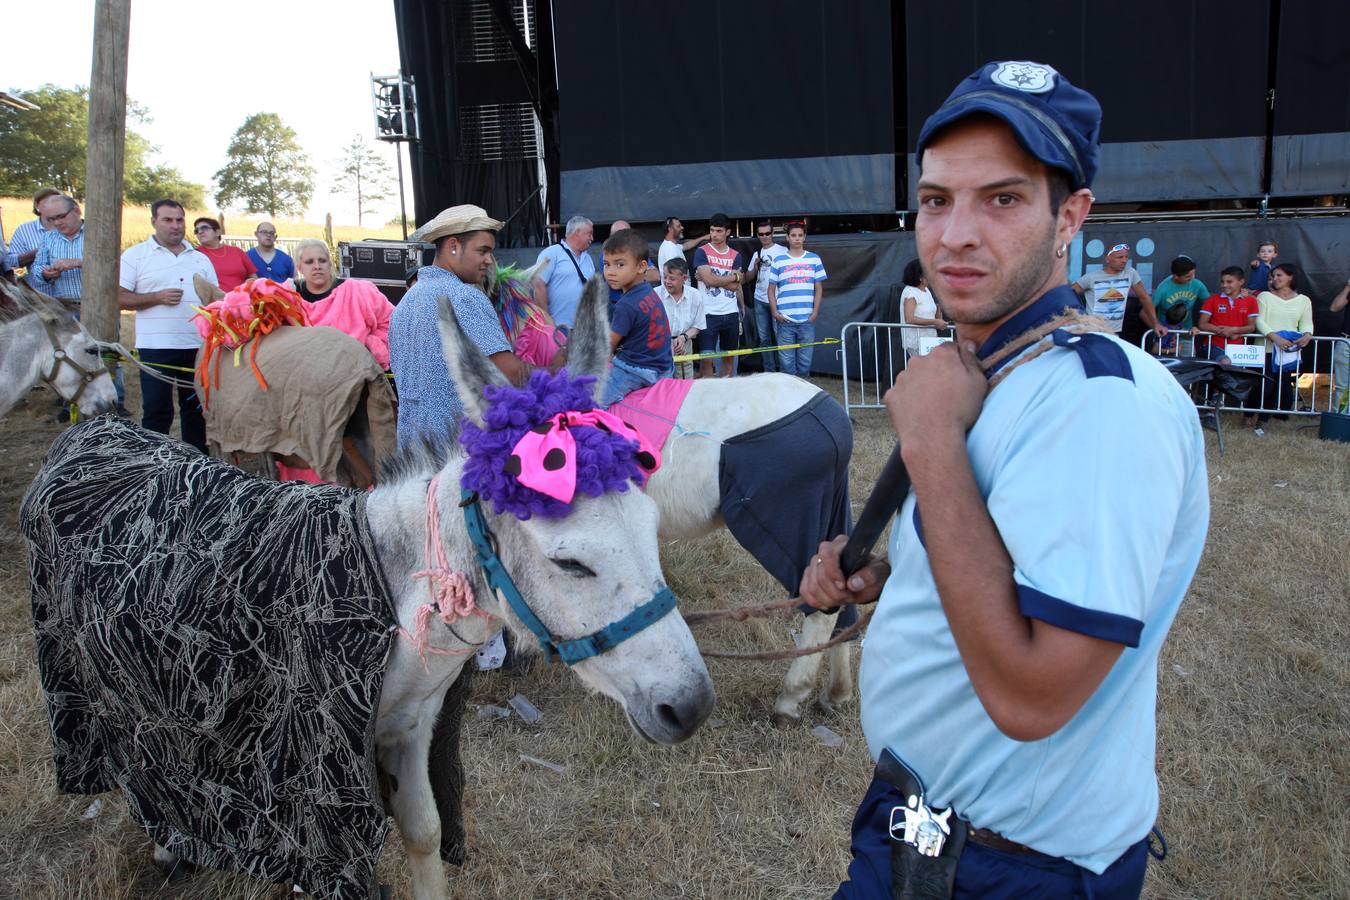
[
  {"x": 1311, "y": 148},
  {"x": 1182, "y": 83},
  {"x": 705, "y": 106},
  {"x": 435, "y": 44}
]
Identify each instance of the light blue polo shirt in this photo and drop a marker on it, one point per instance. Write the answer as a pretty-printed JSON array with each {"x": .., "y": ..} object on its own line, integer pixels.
[
  {"x": 1092, "y": 464},
  {"x": 564, "y": 283}
]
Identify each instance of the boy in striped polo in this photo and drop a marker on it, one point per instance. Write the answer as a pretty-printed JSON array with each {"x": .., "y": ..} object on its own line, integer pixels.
[{"x": 794, "y": 300}]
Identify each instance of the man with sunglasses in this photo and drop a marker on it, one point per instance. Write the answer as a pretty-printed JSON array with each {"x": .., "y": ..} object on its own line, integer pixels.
[
  {"x": 761, "y": 266},
  {"x": 1107, "y": 293}
]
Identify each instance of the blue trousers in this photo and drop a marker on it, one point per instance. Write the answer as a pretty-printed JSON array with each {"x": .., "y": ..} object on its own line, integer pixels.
[
  {"x": 625, "y": 377},
  {"x": 983, "y": 872},
  {"x": 764, "y": 329},
  {"x": 157, "y": 397},
  {"x": 798, "y": 361}
]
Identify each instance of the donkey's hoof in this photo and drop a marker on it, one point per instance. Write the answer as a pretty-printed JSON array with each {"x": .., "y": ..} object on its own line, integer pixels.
[{"x": 786, "y": 720}]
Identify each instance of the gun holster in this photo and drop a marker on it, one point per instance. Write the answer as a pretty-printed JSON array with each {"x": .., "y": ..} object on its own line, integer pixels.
[{"x": 926, "y": 844}]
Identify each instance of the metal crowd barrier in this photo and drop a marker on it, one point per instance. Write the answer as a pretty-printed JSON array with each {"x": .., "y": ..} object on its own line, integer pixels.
[
  {"x": 873, "y": 353},
  {"x": 248, "y": 242},
  {"x": 1320, "y": 382}
]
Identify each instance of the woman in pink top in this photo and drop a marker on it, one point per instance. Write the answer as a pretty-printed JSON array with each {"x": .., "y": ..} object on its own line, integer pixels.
[
  {"x": 232, "y": 265},
  {"x": 350, "y": 305}
]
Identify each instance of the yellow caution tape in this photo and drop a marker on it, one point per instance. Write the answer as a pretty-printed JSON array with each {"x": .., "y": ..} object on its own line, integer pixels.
[{"x": 691, "y": 357}]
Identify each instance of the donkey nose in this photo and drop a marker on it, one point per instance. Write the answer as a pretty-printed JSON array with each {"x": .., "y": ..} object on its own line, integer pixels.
[{"x": 685, "y": 713}]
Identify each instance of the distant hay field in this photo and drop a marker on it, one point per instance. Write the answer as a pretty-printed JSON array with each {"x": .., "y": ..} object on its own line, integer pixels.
[
  {"x": 136, "y": 224},
  {"x": 1252, "y": 745}
]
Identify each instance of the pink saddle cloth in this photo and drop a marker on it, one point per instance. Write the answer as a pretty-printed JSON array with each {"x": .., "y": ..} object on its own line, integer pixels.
[{"x": 652, "y": 410}]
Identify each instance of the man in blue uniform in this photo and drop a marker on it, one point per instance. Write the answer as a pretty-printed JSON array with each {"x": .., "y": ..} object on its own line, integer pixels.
[{"x": 1008, "y": 678}]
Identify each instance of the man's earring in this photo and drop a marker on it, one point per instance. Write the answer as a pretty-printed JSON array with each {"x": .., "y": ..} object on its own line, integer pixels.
[{"x": 1063, "y": 248}]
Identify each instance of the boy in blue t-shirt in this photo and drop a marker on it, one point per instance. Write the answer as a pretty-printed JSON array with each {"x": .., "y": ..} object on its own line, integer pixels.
[{"x": 639, "y": 333}]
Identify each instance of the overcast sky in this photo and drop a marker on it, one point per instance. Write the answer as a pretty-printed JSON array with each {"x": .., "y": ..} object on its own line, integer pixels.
[{"x": 202, "y": 68}]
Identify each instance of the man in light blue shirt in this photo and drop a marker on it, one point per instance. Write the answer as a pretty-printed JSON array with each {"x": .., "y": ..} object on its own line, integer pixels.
[
  {"x": 429, "y": 404},
  {"x": 1009, "y": 675},
  {"x": 23, "y": 244},
  {"x": 557, "y": 286},
  {"x": 60, "y": 253}
]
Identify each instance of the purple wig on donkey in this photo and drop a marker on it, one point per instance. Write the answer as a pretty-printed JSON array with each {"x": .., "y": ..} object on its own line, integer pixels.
[{"x": 605, "y": 461}]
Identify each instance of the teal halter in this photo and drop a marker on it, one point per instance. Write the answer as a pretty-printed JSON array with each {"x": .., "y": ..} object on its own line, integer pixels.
[{"x": 577, "y": 649}]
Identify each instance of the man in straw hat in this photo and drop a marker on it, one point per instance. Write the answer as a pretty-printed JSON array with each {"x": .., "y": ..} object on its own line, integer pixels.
[
  {"x": 429, "y": 406},
  {"x": 1008, "y": 678}
]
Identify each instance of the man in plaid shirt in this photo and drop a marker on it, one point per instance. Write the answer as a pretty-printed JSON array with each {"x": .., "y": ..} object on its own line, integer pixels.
[
  {"x": 59, "y": 265},
  {"x": 60, "y": 250}
]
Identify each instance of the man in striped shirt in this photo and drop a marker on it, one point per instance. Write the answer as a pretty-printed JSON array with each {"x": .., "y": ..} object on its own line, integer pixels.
[
  {"x": 23, "y": 243},
  {"x": 795, "y": 284},
  {"x": 60, "y": 249}
]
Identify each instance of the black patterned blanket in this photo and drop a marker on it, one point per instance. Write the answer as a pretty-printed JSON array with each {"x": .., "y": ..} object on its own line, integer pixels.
[{"x": 214, "y": 646}]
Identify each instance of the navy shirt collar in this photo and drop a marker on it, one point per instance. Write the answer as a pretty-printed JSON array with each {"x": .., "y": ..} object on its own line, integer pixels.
[
  {"x": 637, "y": 290},
  {"x": 1049, "y": 305}
]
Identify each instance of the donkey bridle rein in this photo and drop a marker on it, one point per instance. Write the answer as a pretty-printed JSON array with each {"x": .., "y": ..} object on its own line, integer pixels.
[{"x": 62, "y": 358}]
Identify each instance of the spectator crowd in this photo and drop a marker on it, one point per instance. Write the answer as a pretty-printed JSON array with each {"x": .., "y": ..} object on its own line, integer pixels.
[{"x": 688, "y": 312}]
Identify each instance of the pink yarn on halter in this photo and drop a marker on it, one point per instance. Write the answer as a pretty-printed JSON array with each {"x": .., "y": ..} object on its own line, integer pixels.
[{"x": 451, "y": 593}]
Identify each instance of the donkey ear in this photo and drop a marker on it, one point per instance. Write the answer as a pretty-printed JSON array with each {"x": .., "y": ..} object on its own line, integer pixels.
[
  {"x": 588, "y": 343},
  {"x": 470, "y": 369},
  {"x": 206, "y": 291},
  {"x": 11, "y": 304}
]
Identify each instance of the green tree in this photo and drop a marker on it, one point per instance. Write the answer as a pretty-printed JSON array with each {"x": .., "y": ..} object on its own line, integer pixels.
[
  {"x": 364, "y": 173},
  {"x": 267, "y": 171},
  {"x": 152, "y": 183},
  {"x": 47, "y": 146}
]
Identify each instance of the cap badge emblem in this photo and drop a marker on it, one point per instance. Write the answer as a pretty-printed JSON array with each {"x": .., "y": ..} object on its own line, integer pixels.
[{"x": 1024, "y": 76}]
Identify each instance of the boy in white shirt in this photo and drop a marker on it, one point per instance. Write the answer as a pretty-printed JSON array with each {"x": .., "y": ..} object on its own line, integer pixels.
[{"x": 684, "y": 310}]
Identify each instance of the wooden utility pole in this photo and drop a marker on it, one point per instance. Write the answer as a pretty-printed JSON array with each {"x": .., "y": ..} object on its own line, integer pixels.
[{"x": 103, "y": 168}]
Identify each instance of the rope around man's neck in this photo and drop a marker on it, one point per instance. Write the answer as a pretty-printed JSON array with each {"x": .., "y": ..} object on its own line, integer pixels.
[
  {"x": 1039, "y": 340},
  {"x": 1071, "y": 320}
]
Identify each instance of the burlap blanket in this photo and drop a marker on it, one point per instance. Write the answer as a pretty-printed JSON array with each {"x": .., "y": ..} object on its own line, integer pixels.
[
  {"x": 319, "y": 380},
  {"x": 214, "y": 646}
]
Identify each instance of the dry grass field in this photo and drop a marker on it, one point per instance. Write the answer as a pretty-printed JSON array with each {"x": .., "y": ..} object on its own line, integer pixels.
[
  {"x": 136, "y": 224},
  {"x": 1252, "y": 750}
]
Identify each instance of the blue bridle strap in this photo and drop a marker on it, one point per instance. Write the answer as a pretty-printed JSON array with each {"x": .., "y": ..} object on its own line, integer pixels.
[{"x": 577, "y": 649}]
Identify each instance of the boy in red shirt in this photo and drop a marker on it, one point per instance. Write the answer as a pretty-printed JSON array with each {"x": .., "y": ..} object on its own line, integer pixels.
[{"x": 1228, "y": 315}]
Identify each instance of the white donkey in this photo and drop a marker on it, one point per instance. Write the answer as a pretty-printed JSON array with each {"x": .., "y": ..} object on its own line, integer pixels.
[
  {"x": 41, "y": 341},
  {"x": 767, "y": 457},
  {"x": 151, "y": 695}
]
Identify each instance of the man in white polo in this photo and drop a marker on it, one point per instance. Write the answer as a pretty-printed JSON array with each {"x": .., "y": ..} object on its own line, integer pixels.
[{"x": 155, "y": 281}]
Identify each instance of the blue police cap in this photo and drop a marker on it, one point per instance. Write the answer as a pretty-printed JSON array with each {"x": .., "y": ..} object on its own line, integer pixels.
[{"x": 1054, "y": 121}]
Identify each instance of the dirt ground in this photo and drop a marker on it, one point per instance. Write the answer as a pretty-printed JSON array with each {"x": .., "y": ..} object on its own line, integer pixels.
[{"x": 1253, "y": 728}]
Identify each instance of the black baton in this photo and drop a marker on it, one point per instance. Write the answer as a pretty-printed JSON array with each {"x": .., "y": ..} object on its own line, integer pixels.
[{"x": 887, "y": 496}]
